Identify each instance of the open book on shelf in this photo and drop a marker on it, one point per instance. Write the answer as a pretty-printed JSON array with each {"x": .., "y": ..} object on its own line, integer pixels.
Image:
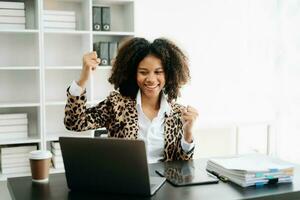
[{"x": 251, "y": 169}]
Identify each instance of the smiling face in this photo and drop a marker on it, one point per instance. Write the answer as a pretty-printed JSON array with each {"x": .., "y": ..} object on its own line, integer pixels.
[{"x": 150, "y": 76}]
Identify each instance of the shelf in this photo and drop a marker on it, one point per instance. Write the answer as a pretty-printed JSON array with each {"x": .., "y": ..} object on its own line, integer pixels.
[
  {"x": 31, "y": 139},
  {"x": 37, "y": 65}
]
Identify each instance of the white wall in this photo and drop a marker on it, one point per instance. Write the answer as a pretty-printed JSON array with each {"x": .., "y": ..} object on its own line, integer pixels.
[
  {"x": 236, "y": 55},
  {"x": 289, "y": 111},
  {"x": 230, "y": 46}
]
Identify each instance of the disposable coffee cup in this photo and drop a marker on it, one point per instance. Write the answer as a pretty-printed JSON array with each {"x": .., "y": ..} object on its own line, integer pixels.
[{"x": 40, "y": 164}]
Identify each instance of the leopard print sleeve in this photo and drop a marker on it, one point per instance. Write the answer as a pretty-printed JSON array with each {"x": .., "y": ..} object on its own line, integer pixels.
[
  {"x": 180, "y": 154},
  {"x": 80, "y": 118}
]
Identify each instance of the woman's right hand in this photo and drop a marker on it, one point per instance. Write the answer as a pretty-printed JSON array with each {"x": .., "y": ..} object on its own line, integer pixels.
[{"x": 90, "y": 62}]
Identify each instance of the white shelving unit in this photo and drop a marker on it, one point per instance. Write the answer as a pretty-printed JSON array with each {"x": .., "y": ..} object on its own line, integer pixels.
[{"x": 37, "y": 66}]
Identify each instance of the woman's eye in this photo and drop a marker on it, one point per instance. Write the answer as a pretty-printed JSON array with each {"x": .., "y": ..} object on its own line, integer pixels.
[
  {"x": 159, "y": 72},
  {"x": 143, "y": 73}
]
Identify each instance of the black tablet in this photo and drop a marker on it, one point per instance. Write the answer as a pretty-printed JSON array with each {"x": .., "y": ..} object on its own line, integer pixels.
[{"x": 187, "y": 174}]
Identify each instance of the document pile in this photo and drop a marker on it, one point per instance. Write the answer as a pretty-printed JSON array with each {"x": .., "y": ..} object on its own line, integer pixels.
[{"x": 251, "y": 169}]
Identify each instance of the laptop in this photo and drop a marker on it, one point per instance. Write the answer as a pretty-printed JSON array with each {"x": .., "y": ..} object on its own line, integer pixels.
[{"x": 108, "y": 165}]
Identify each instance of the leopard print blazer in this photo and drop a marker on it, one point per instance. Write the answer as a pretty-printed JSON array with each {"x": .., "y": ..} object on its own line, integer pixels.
[{"x": 119, "y": 116}]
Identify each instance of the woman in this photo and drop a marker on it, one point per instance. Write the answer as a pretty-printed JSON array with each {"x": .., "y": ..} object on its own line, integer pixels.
[{"x": 147, "y": 78}]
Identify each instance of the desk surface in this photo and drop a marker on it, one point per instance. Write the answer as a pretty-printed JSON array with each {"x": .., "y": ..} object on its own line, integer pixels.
[{"x": 22, "y": 188}]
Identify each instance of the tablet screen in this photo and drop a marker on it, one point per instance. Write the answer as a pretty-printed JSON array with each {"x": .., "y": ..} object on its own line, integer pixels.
[{"x": 184, "y": 173}]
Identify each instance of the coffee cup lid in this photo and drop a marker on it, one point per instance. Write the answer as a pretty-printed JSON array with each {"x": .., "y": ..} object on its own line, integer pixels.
[{"x": 40, "y": 154}]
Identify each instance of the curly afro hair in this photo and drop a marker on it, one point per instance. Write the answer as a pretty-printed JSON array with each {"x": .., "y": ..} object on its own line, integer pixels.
[{"x": 134, "y": 50}]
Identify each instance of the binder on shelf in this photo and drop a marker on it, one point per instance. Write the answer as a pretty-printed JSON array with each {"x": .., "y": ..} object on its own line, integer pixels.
[
  {"x": 56, "y": 152},
  {"x": 104, "y": 54},
  {"x": 57, "y": 159},
  {"x": 59, "y": 165},
  {"x": 12, "y": 26},
  {"x": 55, "y": 145},
  {"x": 12, "y": 20},
  {"x": 60, "y": 18},
  {"x": 11, "y": 170},
  {"x": 251, "y": 169},
  {"x": 15, "y": 159},
  {"x": 96, "y": 47},
  {"x": 13, "y": 116},
  {"x": 17, "y": 149},
  {"x": 12, "y": 12},
  {"x": 6, "y": 122},
  {"x": 17, "y": 164},
  {"x": 113, "y": 48},
  {"x": 105, "y": 18},
  {"x": 97, "y": 18},
  {"x": 67, "y": 25},
  {"x": 14, "y": 156},
  {"x": 13, "y": 135},
  {"x": 9, "y": 160},
  {"x": 14, "y": 128},
  {"x": 12, "y": 5},
  {"x": 59, "y": 12}
]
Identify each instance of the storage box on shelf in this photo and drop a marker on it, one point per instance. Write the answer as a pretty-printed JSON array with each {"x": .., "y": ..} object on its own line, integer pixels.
[
  {"x": 33, "y": 124},
  {"x": 39, "y": 63},
  {"x": 19, "y": 16},
  {"x": 81, "y": 8},
  {"x": 15, "y": 159}
]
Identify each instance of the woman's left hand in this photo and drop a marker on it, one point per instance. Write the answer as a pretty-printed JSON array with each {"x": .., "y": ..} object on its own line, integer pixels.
[{"x": 189, "y": 116}]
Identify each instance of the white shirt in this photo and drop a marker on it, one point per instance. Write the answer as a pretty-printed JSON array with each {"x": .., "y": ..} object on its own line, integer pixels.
[{"x": 152, "y": 132}]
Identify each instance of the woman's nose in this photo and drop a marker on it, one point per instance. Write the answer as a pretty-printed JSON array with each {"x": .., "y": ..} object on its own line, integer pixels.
[{"x": 150, "y": 77}]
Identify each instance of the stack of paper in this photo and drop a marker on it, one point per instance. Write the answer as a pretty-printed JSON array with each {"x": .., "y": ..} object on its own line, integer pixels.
[
  {"x": 13, "y": 126},
  {"x": 251, "y": 169},
  {"x": 12, "y": 15},
  {"x": 15, "y": 159},
  {"x": 57, "y": 159},
  {"x": 59, "y": 20}
]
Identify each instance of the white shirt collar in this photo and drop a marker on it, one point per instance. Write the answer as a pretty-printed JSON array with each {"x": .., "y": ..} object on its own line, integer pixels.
[{"x": 164, "y": 105}]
